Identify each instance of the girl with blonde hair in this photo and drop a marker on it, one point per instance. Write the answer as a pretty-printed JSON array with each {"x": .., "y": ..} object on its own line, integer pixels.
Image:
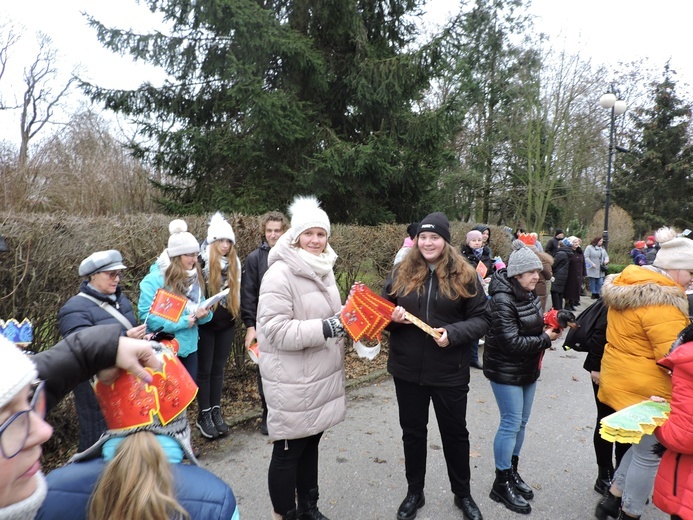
[
  {"x": 221, "y": 269},
  {"x": 176, "y": 271}
]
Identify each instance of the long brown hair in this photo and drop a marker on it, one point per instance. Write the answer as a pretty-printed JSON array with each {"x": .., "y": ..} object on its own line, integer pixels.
[
  {"x": 233, "y": 303},
  {"x": 176, "y": 277},
  {"x": 137, "y": 484},
  {"x": 456, "y": 278}
]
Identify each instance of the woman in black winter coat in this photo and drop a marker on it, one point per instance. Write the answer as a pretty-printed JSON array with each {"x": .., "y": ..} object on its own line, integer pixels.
[
  {"x": 435, "y": 284},
  {"x": 98, "y": 294},
  {"x": 515, "y": 345},
  {"x": 561, "y": 265},
  {"x": 577, "y": 270}
]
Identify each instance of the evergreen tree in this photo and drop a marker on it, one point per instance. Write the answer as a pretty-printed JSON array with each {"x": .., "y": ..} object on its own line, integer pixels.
[
  {"x": 266, "y": 99},
  {"x": 654, "y": 182}
]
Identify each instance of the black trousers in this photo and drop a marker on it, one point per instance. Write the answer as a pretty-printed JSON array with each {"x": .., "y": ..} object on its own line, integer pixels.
[
  {"x": 603, "y": 449},
  {"x": 293, "y": 470},
  {"x": 450, "y": 405},
  {"x": 213, "y": 352}
]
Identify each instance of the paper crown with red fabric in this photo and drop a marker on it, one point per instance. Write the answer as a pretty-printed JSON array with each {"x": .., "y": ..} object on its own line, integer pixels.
[{"x": 132, "y": 403}]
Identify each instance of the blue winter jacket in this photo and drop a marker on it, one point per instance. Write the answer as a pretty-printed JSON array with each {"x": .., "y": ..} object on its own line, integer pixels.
[
  {"x": 79, "y": 313},
  {"x": 201, "y": 493},
  {"x": 187, "y": 336}
]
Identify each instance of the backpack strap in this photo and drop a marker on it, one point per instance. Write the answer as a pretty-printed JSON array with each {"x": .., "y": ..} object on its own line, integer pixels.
[{"x": 110, "y": 310}]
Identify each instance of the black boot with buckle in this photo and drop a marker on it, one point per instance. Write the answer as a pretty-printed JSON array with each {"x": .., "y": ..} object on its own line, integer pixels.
[
  {"x": 520, "y": 485},
  {"x": 503, "y": 491}
]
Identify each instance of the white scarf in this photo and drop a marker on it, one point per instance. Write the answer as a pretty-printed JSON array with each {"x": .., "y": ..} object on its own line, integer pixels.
[
  {"x": 321, "y": 264},
  {"x": 27, "y": 508}
]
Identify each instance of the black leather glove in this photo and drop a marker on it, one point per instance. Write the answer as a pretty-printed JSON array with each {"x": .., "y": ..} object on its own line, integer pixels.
[{"x": 332, "y": 327}]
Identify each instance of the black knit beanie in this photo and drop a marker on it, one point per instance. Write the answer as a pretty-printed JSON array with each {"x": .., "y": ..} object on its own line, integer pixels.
[{"x": 436, "y": 223}]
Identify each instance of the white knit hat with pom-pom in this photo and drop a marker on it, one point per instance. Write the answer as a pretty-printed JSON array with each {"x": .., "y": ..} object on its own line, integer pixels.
[
  {"x": 675, "y": 252},
  {"x": 16, "y": 371},
  {"x": 219, "y": 229},
  {"x": 305, "y": 214},
  {"x": 181, "y": 242}
]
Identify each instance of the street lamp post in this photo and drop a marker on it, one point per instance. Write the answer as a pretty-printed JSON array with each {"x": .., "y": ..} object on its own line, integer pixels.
[{"x": 618, "y": 107}]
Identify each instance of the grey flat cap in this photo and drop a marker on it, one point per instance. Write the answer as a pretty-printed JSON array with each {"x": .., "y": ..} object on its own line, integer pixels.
[{"x": 110, "y": 260}]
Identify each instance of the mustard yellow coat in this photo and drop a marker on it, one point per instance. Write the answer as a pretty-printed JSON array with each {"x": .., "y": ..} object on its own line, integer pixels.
[{"x": 647, "y": 310}]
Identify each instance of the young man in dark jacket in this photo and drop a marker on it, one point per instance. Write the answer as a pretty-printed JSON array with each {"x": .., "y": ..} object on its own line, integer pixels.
[{"x": 273, "y": 225}]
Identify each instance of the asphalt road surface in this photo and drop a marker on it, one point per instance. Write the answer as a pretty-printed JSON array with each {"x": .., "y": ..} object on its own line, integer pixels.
[{"x": 362, "y": 465}]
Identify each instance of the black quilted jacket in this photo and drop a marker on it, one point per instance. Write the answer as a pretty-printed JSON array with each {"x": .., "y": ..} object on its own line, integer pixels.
[{"x": 515, "y": 342}]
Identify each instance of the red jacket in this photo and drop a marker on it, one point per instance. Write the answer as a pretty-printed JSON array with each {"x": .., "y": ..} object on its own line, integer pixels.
[{"x": 673, "y": 492}]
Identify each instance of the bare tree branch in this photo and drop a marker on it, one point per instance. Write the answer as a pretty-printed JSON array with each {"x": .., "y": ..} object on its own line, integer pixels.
[{"x": 39, "y": 100}]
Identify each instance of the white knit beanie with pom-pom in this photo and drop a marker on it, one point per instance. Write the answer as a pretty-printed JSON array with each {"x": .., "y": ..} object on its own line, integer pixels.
[
  {"x": 675, "y": 252},
  {"x": 219, "y": 229},
  {"x": 305, "y": 214},
  {"x": 181, "y": 242}
]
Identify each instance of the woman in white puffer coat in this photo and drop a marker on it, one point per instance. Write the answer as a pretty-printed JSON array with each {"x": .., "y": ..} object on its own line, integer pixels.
[{"x": 301, "y": 357}]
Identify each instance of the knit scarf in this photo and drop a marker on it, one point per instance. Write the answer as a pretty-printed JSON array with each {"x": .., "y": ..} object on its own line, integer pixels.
[
  {"x": 478, "y": 252},
  {"x": 27, "y": 508},
  {"x": 321, "y": 264}
]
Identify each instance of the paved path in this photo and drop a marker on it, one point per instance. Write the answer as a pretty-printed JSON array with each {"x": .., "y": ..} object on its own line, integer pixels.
[{"x": 362, "y": 466}]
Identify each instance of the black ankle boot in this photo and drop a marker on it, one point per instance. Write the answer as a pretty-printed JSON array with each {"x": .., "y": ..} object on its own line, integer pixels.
[
  {"x": 410, "y": 505},
  {"x": 603, "y": 480},
  {"x": 608, "y": 506},
  {"x": 503, "y": 491},
  {"x": 291, "y": 515},
  {"x": 308, "y": 506},
  {"x": 622, "y": 515},
  {"x": 520, "y": 485}
]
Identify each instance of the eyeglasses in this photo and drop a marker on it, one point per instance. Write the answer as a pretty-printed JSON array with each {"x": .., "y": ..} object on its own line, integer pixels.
[
  {"x": 114, "y": 274},
  {"x": 15, "y": 431}
]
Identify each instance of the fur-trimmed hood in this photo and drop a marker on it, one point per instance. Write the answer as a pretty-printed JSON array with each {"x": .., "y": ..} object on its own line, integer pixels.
[{"x": 643, "y": 286}]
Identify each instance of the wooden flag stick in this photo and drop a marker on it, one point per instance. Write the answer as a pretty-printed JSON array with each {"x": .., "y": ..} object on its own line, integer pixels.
[{"x": 422, "y": 325}]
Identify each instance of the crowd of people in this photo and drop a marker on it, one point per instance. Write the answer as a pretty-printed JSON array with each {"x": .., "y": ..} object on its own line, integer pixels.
[{"x": 286, "y": 294}]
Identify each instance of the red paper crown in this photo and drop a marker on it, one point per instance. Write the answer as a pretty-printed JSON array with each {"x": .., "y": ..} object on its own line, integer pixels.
[
  {"x": 365, "y": 314},
  {"x": 131, "y": 403},
  {"x": 527, "y": 239}
]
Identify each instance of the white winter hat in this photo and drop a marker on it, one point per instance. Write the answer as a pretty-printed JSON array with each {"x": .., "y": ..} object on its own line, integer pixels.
[
  {"x": 16, "y": 370},
  {"x": 675, "y": 252},
  {"x": 219, "y": 228},
  {"x": 181, "y": 242},
  {"x": 305, "y": 213}
]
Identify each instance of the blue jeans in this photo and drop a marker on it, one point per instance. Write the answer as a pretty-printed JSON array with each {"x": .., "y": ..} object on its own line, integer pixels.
[
  {"x": 635, "y": 475},
  {"x": 515, "y": 405},
  {"x": 596, "y": 285}
]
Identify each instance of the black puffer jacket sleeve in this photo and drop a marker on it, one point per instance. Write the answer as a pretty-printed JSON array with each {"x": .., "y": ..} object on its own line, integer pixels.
[
  {"x": 595, "y": 345},
  {"x": 253, "y": 271},
  {"x": 76, "y": 359}
]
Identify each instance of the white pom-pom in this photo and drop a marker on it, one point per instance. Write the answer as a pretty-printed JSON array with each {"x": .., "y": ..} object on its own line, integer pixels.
[
  {"x": 177, "y": 226},
  {"x": 216, "y": 219},
  {"x": 665, "y": 234},
  {"x": 301, "y": 204}
]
